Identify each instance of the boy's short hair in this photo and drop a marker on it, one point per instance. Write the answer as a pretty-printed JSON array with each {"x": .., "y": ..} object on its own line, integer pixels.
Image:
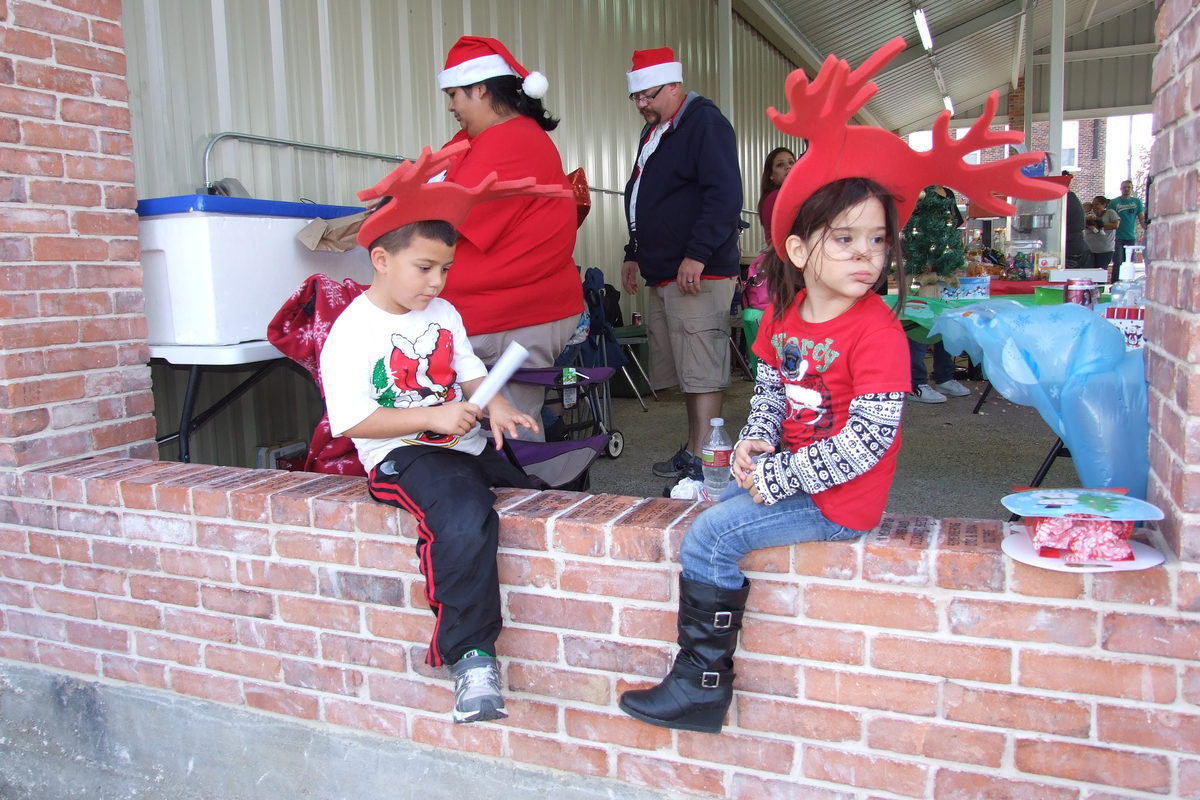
[{"x": 399, "y": 238}]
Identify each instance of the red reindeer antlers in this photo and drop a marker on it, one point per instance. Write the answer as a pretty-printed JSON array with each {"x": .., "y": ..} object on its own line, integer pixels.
[
  {"x": 834, "y": 97},
  {"x": 821, "y": 111},
  {"x": 415, "y": 198}
]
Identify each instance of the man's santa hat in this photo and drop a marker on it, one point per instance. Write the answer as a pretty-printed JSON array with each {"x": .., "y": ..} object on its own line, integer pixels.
[
  {"x": 655, "y": 67},
  {"x": 476, "y": 58}
]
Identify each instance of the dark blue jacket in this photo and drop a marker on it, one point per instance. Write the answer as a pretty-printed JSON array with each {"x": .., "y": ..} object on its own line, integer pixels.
[{"x": 690, "y": 197}]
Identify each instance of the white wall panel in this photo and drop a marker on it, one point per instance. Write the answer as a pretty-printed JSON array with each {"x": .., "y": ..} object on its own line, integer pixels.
[
  {"x": 360, "y": 74},
  {"x": 759, "y": 72}
]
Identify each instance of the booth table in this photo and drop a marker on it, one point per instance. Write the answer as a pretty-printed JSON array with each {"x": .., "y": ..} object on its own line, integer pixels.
[{"x": 196, "y": 358}]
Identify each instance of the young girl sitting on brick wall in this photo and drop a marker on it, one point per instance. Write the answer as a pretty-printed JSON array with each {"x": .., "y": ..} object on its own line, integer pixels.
[{"x": 816, "y": 458}]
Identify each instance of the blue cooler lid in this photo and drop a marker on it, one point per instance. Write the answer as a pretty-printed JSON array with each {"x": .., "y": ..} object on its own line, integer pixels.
[{"x": 220, "y": 204}]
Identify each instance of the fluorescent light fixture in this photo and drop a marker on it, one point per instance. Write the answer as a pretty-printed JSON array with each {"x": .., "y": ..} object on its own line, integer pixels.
[
  {"x": 923, "y": 29},
  {"x": 949, "y": 104}
]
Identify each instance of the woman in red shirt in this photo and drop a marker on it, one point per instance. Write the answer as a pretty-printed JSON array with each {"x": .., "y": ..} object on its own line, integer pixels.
[{"x": 514, "y": 276}]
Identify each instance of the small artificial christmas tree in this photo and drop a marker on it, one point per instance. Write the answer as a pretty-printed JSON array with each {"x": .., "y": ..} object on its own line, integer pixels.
[{"x": 931, "y": 238}]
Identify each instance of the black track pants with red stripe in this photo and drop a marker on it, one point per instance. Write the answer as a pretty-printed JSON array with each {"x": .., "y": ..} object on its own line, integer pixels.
[{"x": 449, "y": 494}]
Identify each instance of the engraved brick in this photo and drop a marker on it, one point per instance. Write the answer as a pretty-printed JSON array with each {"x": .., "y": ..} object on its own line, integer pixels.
[
  {"x": 582, "y": 530},
  {"x": 968, "y": 555},
  {"x": 524, "y": 526}
]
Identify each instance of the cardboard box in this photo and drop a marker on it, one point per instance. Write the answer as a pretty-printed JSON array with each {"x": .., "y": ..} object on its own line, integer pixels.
[
  {"x": 216, "y": 269},
  {"x": 1131, "y": 321}
]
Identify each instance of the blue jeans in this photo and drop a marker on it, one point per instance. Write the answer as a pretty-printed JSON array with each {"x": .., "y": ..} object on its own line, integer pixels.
[
  {"x": 943, "y": 363},
  {"x": 726, "y": 532}
]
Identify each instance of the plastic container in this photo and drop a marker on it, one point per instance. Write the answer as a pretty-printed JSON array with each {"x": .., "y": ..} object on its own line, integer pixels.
[
  {"x": 969, "y": 288},
  {"x": 716, "y": 457},
  {"x": 216, "y": 269}
]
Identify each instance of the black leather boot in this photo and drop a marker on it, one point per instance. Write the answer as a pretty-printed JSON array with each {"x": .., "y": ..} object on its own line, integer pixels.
[{"x": 697, "y": 692}]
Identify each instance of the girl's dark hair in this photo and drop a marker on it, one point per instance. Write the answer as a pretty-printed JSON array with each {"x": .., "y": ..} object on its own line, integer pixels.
[
  {"x": 766, "y": 186},
  {"x": 784, "y": 280},
  {"x": 506, "y": 94},
  {"x": 396, "y": 240}
]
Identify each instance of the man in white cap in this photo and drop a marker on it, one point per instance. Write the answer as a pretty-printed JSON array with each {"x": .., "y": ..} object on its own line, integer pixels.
[{"x": 683, "y": 202}]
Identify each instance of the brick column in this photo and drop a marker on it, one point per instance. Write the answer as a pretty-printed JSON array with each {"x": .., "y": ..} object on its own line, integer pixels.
[
  {"x": 1173, "y": 288},
  {"x": 73, "y": 374},
  {"x": 1016, "y": 106}
]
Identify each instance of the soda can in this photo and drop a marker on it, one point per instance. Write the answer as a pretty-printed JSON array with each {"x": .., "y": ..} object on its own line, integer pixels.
[
  {"x": 637, "y": 318},
  {"x": 1081, "y": 291}
]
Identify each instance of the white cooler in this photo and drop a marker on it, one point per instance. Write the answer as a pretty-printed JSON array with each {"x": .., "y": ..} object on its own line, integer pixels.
[{"x": 216, "y": 269}]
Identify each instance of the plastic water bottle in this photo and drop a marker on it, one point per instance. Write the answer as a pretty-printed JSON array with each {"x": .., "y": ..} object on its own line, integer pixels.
[{"x": 716, "y": 457}]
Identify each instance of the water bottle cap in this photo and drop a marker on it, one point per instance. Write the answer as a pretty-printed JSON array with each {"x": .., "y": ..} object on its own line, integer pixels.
[{"x": 717, "y": 422}]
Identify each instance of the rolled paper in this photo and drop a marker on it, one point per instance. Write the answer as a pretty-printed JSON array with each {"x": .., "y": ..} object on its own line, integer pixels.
[{"x": 510, "y": 361}]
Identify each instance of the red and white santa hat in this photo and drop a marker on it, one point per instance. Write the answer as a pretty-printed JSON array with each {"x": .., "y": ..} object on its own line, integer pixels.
[
  {"x": 476, "y": 58},
  {"x": 655, "y": 67}
]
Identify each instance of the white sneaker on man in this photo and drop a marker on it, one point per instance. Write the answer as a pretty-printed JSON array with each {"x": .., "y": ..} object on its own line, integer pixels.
[
  {"x": 953, "y": 389},
  {"x": 926, "y": 394}
]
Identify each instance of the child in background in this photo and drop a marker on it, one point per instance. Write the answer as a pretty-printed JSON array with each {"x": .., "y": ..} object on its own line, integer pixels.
[
  {"x": 816, "y": 458},
  {"x": 397, "y": 370}
]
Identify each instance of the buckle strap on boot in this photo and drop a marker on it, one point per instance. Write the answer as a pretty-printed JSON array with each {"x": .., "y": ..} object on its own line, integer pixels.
[
  {"x": 705, "y": 678},
  {"x": 719, "y": 620}
]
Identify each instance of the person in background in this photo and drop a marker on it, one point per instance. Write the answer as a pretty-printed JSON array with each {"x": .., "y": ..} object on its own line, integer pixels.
[
  {"x": 1132, "y": 212},
  {"x": 778, "y": 164},
  {"x": 1101, "y": 233},
  {"x": 683, "y": 204},
  {"x": 1076, "y": 255},
  {"x": 936, "y": 203},
  {"x": 514, "y": 275}
]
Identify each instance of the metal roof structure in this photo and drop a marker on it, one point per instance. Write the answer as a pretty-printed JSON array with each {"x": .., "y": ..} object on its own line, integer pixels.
[{"x": 978, "y": 46}]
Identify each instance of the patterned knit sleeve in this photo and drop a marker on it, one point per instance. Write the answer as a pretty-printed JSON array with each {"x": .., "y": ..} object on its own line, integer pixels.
[
  {"x": 870, "y": 430},
  {"x": 767, "y": 407}
]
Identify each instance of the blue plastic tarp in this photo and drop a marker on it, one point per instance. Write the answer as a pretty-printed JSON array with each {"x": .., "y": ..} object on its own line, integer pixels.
[{"x": 1072, "y": 366}]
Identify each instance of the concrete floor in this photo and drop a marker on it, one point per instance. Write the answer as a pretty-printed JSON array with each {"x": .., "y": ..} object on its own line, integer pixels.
[{"x": 952, "y": 463}]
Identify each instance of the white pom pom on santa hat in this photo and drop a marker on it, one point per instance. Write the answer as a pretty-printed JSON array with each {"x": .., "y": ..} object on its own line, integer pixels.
[
  {"x": 476, "y": 58},
  {"x": 535, "y": 85}
]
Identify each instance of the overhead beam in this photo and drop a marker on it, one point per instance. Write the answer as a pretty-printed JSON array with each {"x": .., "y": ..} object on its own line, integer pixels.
[
  {"x": 925, "y": 123},
  {"x": 1098, "y": 53},
  {"x": 1019, "y": 50},
  {"x": 777, "y": 29},
  {"x": 956, "y": 34}
]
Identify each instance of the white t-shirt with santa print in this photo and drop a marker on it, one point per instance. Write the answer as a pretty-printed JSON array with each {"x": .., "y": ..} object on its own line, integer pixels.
[{"x": 375, "y": 359}]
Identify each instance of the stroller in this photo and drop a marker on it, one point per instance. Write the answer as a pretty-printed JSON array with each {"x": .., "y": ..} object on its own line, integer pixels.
[{"x": 299, "y": 330}]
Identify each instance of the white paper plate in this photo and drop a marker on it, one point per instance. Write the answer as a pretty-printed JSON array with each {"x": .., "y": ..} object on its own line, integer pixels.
[{"x": 1019, "y": 547}]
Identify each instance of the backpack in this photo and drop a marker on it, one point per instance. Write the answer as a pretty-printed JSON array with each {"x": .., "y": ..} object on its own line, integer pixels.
[{"x": 756, "y": 294}]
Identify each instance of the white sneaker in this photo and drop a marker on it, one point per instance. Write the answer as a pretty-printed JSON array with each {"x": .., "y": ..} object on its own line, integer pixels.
[
  {"x": 477, "y": 689},
  {"x": 953, "y": 389},
  {"x": 926, "y": 394}
]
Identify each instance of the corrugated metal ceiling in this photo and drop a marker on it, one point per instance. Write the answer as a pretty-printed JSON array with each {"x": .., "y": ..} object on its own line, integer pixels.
[{"x": 979, "y": 46}]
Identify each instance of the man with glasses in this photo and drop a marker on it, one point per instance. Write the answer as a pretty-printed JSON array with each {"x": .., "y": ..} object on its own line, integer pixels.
[
  {"x": 683, "y": 202},
  {"x": 1132, "y": 212}
]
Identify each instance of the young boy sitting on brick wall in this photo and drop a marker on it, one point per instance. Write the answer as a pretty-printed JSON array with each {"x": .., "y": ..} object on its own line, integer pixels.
[{"x": 397, "y": 370}]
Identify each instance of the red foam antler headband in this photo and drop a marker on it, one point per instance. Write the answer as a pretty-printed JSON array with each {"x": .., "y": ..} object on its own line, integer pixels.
[
  {"x": 414, "y": 198},
  {"x": 820, "y": 112}
]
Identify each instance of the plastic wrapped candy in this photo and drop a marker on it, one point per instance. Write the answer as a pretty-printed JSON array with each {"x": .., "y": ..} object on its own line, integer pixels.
[
  {"x": 1073, "y": 367},
  {"x": 1082, "y": 537}
]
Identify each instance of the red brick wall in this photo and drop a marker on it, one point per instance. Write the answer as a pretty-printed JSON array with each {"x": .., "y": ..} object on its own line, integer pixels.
[
  {"x": 920, "y": 662},
  {"x": 73, "y": 373},
  {"x": 1172, "y": 319}
]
